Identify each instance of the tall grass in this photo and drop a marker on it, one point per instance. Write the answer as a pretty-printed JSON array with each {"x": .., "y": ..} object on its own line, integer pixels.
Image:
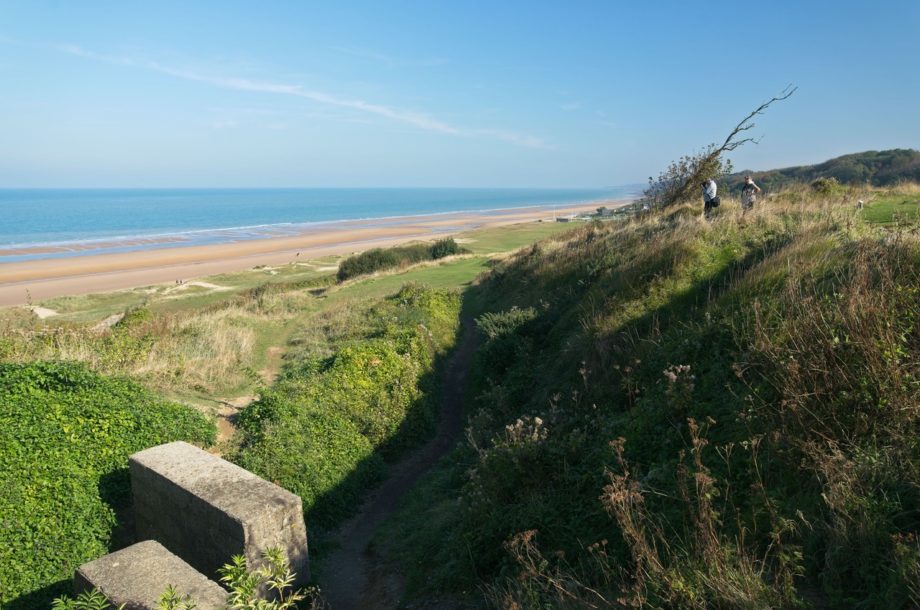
[
  {"x": 678, "y": 413},
  {"x": 208, "y": 350}
]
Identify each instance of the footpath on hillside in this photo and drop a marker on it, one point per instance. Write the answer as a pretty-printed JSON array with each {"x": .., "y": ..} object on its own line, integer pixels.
[{"x": 354, "y": 577}]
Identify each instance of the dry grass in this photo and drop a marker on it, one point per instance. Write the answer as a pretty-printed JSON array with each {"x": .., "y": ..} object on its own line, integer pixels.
[
  {"x": 208, "y": 351},
  {"x": 817, "y": 313}
]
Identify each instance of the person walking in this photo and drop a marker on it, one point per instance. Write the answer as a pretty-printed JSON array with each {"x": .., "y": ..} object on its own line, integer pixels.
[
  {"x": 710, "y": 197},
  {"x": 749, "y": 194}
]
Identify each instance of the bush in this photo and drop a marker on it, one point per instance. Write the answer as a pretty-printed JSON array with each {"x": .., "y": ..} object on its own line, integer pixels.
[
  {"x": 379, "y": 259},
  {"x": 825, "y": 186},
  {"x": 323, "y": 430},
  {"x": 497, "y": 324},
  {"x": 445, "y": 247},
  {"x": 65, "y": 437},
  {"x": 317, "y": 454},
  {"x": 680, "y": 182},
  {"x": 244, "y": 584}
]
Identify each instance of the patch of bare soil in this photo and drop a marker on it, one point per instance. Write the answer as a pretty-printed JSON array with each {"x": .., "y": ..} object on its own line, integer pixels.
[{"x": 226, "y": 421}]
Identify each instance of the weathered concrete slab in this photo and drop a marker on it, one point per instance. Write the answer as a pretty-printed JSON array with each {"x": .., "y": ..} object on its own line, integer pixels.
[
  {"x": 205, "y": 510},
  {"x": 138, "y": 575}
]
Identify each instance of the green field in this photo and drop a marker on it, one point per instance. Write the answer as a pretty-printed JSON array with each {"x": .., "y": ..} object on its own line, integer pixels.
[
  {"x": 166, "y": 297},
  {"x": 893, "y": 209}
]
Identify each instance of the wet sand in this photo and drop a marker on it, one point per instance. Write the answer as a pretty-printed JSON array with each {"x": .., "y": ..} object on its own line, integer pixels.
[{"x": 36, "y": 280}]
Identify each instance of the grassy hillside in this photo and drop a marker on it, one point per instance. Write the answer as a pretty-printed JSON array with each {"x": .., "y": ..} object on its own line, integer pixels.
[
  {"x": 677, "y": 413},
  {"x": 355, "y": 391},
  {"x": 878, "y": 168}
]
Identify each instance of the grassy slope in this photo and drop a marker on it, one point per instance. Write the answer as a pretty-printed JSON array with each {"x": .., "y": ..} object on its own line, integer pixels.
[
  {"x": 614, "y": 310},
  {"x": 764, "y": 375},
  {"x": 358, "y": 388}
]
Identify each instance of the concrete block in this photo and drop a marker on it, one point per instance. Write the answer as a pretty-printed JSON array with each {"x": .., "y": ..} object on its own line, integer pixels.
[
  {"x": 205, "y": 510},
  {"x": 137, "y": 576}
]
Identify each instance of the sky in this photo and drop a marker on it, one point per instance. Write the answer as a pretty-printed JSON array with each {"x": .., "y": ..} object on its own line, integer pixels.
[{"x": 440, "y": 94}]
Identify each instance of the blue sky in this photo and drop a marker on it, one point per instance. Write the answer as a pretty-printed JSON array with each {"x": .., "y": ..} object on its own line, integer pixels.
[{"x": 163, "y": 94}]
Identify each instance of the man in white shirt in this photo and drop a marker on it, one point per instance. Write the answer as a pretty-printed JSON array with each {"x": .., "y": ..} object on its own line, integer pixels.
[{"x": 710, "y": 198}]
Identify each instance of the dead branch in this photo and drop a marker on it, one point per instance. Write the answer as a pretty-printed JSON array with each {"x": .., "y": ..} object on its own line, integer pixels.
[
  {"x": 677, "y": 183},
  {"x": 745, "y": 125}
]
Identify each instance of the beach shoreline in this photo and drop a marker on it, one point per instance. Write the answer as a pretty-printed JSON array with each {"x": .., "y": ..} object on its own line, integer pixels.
[{"x": 23, "y": 282}]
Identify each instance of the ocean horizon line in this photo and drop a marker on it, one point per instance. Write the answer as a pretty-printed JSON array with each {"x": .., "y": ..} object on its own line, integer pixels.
[
  {"x": 12, "y": 246},
  {"x": 184, "y": 237},
  {"x": 319, "y": 188}
]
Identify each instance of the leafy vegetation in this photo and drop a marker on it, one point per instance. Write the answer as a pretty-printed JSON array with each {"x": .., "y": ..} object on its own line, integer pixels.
[
  {"x": 878, "y": 168},
  {"x": 380, "y": 259},
  {"x": 274, "y": 577},
  {"x": 201, "y": 345},
  {"x": 682, "y": 179},
  {"x": 356, "y": 394},
  {"x": 245, "y": 588},
  {"x": 65, "y": 437},
  {"x": 684, "y": 414}
]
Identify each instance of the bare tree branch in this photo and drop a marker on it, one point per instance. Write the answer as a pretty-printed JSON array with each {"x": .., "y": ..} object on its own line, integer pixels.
[
  {"x": 677, "y": 183},
  {"x": 746, "y": 124}
]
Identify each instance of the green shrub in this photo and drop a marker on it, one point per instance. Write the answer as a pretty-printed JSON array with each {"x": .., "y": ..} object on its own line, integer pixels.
[
  {"x": 245, "y": 587},
  {"x": 318, "y": 454},
  {"x": 445, "y": 247},
  {"x": 134, "y": 316},
  {"x": 380, "y": 259},
  {"x": 825, "y": 186},
  {"x": 497, "y": 324},
  {"x": 65, "y": 437},
  {"x": 323, "y": 429}
]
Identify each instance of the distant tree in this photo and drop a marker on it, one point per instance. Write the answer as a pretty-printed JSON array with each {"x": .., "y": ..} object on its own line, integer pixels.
[
  {"x": 680, "y": 181},
  {"x": 878, "y": 168}
]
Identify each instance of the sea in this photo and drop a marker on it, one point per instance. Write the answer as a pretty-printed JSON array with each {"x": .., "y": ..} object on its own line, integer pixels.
[{"x": 52, "y": 223}]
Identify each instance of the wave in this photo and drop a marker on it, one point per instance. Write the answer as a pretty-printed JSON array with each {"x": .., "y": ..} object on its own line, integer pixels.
[{"x": 247, "y": 232}]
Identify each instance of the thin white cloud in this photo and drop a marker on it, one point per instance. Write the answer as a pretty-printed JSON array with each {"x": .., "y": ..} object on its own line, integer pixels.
[
  {"x": 571, "y": 106},
  {"x": 389, "y": 60},
  {"x": 269, "y": 113},
  {"x": 416, "y": 119}
]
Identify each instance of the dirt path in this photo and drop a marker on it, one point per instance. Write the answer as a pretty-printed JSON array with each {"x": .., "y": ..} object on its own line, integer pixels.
[
  {"x": 352, "y": 577},
  {"x": 229, "y": 409}
]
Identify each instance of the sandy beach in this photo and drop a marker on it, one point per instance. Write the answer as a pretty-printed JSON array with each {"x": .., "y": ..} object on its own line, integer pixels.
[{"x": 46, "y": 278}]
